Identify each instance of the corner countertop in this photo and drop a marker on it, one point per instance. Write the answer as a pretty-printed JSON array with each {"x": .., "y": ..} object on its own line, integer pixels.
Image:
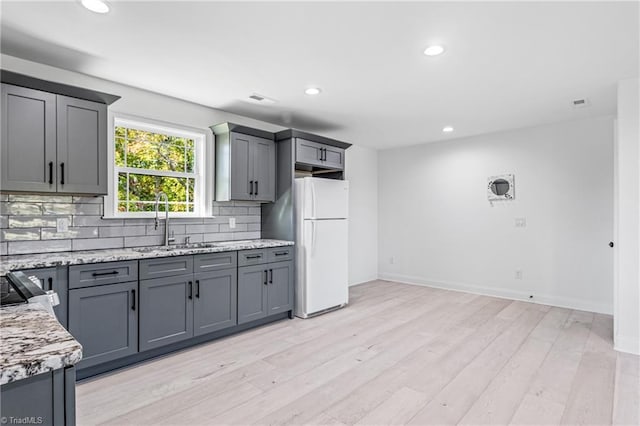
[
  {"x": 33, "y": 342},
  {"x": 44, "y": 260}
]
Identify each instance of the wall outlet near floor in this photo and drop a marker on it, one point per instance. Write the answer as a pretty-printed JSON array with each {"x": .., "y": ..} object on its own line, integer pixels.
[
  {"x": 232, "y": 222},
  {"x": 518, "y": 274},
  {"x": 62, "y": 224}
]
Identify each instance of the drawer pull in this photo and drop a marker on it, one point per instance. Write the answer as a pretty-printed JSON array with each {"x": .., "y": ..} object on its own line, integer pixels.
[
  {"x": 256, "y": 256},
  {"x": 101, "y": 274},
  {"x": 282, "y": 253}
]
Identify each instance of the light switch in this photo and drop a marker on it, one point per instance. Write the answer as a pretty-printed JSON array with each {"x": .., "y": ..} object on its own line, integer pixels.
[
  {"x": 232, "y": 222},
  {"x": 521, "y": 222},
  {"x": 62, "y": 224}
]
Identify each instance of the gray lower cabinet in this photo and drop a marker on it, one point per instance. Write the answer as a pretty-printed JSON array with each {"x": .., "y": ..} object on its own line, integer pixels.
[
  {"x": 280, "y": 288},
  {"x": 166, "y": 311},
  {"x": 214, "y": 305},
  {"x": 104, "y": 319},
  {"x": 43, "y": 399},
  {"x": 264, "y": 290},
  {"x": 54, "y": 279},
  {"x": 52, "y": 143},
  {"x": 252, "y": 293}
]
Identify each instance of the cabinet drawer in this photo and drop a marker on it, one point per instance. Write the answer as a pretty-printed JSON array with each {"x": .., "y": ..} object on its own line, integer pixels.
[
  {"x": 165, "y": 267},
  {"x": 215, "y": 261},
  {"x": 279, "y": 254},
  {"x": 102, "y": 273},
  {"x": 252, "y": 257}
]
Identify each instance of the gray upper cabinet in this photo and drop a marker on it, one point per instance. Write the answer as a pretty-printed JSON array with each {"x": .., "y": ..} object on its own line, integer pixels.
[
  {"x": 82, "y": 146},
  {"x": 214, "y": 306},
  {"x": 166, "y": 311},
  {"x": 52, "y": 143},
  {"x": 264, "y": 170},
  {"x": 319, "y": 154},
  {"x": 28, "y": 144},
  {"x": 241, "y": 167},
  {"x": 104, "y": 320},
  {"x": 245, "y": 164}
]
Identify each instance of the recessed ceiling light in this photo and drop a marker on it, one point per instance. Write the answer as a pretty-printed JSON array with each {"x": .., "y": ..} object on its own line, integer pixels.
[
  {"x": 434, "y": 50},
  {"x": 312, "y": 91},
  {"x": 447, "y": 129},
  {"x": 97, "y": 6}
]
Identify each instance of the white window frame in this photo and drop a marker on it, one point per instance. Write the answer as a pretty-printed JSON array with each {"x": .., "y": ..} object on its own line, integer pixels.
[{"x": 203, "y": 190}]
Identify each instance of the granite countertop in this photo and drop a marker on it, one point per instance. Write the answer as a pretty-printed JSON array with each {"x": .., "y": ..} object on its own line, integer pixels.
[
  {"x": 44, "y": 260},
  {"x": 33, "y": 342}
]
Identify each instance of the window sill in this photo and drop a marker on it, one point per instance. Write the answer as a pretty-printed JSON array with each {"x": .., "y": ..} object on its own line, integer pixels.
[{"x": 152, "y": 215}]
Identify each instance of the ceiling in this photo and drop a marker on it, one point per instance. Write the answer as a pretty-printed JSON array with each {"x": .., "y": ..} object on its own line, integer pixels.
[{"x": 506, "y": 65}]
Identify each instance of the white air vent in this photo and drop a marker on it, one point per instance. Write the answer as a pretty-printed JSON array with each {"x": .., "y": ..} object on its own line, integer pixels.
[
  {"x": 581, "y": 103},
  {"x": 260, "y": 99}
]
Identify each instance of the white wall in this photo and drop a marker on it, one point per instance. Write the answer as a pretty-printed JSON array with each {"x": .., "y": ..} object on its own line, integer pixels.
[
  {"x": 436, "y": 222},
  {"x": 627, "y": 291},
  {"x": 362, "y": 173}
]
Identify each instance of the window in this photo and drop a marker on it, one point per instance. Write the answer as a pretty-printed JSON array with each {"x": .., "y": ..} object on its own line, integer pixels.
[{"x": 150, "y": 158}]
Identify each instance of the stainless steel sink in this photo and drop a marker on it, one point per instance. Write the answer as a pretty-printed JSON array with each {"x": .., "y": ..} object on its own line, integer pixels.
[
  {"x": 176, "y": 247},
  {"x": 232, "y": 243}
]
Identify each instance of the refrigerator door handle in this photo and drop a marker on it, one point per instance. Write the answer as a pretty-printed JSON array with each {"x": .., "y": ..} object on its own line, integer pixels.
[
  {"x": 313, "y": 237},
  {"x": 313, "y": 201}
]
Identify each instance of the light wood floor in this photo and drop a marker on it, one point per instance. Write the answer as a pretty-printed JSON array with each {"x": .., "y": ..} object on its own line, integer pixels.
[{"x": 398, "y": 354}]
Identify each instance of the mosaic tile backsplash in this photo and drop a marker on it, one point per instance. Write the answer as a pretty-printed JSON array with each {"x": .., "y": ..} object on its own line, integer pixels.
[{"x": 28, "y": 225}]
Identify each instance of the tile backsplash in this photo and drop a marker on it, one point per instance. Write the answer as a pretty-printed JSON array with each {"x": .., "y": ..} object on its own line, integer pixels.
[{"x": 28, "y": 225}]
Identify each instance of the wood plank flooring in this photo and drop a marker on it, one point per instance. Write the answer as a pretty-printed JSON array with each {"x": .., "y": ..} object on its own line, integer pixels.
[{"x": 398, "y": 354}]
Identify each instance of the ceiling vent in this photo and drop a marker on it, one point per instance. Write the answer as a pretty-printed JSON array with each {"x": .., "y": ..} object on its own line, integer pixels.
[
  {"x": 260, "y": 99},
  {"x": 581, "y": 103}
]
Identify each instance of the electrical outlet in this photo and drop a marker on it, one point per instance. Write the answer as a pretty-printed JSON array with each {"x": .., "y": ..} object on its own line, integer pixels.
[
  {"x": 521, "y": 222},
  {"x": 518, "y": 274},
  {"x": 62, "y": 224},
  {"x": 232, "y": 222},
  {"x": 392, "y": 260}
]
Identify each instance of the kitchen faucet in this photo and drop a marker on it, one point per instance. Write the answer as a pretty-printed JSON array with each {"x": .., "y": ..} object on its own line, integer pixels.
[{"x": 159, "y": 195}]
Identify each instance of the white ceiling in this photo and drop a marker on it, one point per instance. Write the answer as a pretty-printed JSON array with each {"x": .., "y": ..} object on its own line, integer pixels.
[{"x": 507, "y": 64}]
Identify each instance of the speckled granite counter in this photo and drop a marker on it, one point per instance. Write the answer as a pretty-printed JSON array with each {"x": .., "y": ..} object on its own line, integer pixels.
[
  {"x": 33, "y": 342},
  {"x": 43, "y": 260}
]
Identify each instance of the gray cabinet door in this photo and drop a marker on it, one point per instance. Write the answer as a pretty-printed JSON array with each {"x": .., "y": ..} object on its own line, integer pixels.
[
  {"x": 308, "y": 152},
  {"x": 264, "y": 169},
  {"x": 104, "y": 320},
  {"x": 241, "y": 167},
  {"x": 54, "y": 279},
  {"x": 280, "y": 293},
  {"x": 333, "y": 157},
  {"x": 252, "y": 293},
  {"x": 28, "y": 140},
  {"x": 214, "y": 305},
  {"x": 82, "y": 146},
  {"x": 166, "y": 311}
]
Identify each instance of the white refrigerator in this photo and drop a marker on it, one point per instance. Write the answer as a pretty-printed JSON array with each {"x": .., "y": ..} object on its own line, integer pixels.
[{"x": 322, "y": 217}]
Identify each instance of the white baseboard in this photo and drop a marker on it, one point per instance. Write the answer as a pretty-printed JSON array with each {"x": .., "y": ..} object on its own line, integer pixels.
[
  {"x": 630, "y": 345},
  {"x": 561, "y": 302}
]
